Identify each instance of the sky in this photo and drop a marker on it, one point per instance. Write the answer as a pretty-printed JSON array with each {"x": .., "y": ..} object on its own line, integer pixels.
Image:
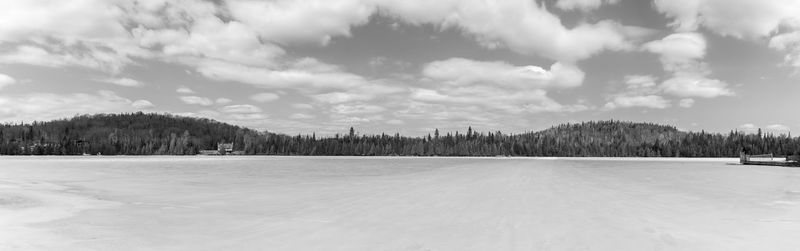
[{"x": 303, "y": 66}]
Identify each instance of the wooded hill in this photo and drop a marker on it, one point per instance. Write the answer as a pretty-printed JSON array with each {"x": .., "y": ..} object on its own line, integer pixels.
[{"x": 162, "y": 134}]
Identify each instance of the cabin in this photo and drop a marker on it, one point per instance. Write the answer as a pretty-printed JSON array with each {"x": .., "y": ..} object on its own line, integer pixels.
[
  {"x": 222, "y": 149},
  {"x": 225, "y": 148}
]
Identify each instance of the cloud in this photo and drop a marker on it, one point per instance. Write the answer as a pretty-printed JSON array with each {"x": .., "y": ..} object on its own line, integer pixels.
[
  {"x": 48, "y": 106},
  {"x": 184, "y": 90},
  {"x": 395, "y": 122},
  {"x": 240, "y": 109},
  {"x": 679, "y": 51},
  {"x": 127, "y": 82},
  {"x": 301, "y": 116},
  {"x": 686, "y": 103},
  {"x": 265, "y": 97},
  {"x": 84, "y": 56},
  {"x": 6, "y": 80},
  {"x": 460, "y": 71},
  {"x": 287, "y": 21},
  {"x": 744, "y": 19},
  {"x": 89, "y": 19},
  {"x": 747, "y": 128},
  {"x": 778, "y": 128},
  {"x": 302, "y": 106},
  {"x": 357, "y": 108},
  {"x": 142, "y": 104},
  {"x": 640, "y": 91},
  {"x": 583, "y": 5},
  {"x": 695, "y": 86},
  {"x": 223, "y": 100},
  {"x": 648, "y": 101},
  {"x": 521, "y": 25},
  {"x": 195, "y": 100},
  {"x": 681, "y": 55}
]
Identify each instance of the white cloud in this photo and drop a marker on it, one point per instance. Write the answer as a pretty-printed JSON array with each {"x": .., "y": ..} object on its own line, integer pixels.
[
  {"x": 142, "y": 104},
  {"x": 746, "y": 19},
  {"x": 679, "y": 51},
  {"x": 647, "y": 101},
  {"x": 686, "y": 103},
  {"x": 88, "y": 19},
  {"x": 87, "y": 56},
  {"x": 195, "y": 100},
  {"x": 301, "y": 116},
  {"x": 287, "y": 21},
  {"x": 320, "y": 76},
  {"x": 49, "y": 106},
  {"x": 127, "y": 82},
  {"x": 743, "y": 18},
  {"x": 681, "y": 55},
  {"x": 460, "y": 71},
  {"x": 184, "y": 90},
  {"x": 240, "y": 109},
  {"x": 302, "y": 106},
  {"x": 521, "y": 25},
  {"x": 357, "y": 108},
  {"x": 747, "y": 128},
  {"x": 695, "y": 86},
  {"x": 6, "y": 80},
  {"x": 265, "y": 97},
  {"x": 395, "y": 122},
  {"x": 778, "y": 128},
  {"x": 790, "y": 43},
  {"x": 223, "y": 100},
  {"x": 583, "y": 5}
]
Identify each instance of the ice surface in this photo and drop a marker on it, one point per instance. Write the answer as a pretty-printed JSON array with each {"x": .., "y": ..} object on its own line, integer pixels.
[{"x": 351, "y": 203}]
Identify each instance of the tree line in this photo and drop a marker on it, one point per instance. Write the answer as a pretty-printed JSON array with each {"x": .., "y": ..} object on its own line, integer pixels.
[{"x": 164, "y": 134}]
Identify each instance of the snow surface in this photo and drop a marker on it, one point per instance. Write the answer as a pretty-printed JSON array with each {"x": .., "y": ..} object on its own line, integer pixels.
[{"x": 352, "y": 203}]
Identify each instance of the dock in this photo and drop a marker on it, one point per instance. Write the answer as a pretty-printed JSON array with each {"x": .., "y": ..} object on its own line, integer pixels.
[{"x": 769, "y": 160}]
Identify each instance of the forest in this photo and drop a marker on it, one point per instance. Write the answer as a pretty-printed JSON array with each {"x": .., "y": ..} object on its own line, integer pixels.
[{"x": 164, "y": 134}]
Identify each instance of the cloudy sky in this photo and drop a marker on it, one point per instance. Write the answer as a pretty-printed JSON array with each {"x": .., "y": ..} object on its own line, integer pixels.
[{"x": 301, "y": 66}]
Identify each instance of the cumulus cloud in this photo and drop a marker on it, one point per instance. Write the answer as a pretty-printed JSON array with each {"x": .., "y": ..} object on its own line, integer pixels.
[
  {"x": 583, "y": 5},
  {"x": 265, "y": 97},
  {"x": 647, "y": 101},
  {"x": 686, "y": 103},
  {"x": 142, "y": 104},
  {"x": 747, "y": 19},
  {"x": 223, "y": 101},
  {"x": 287, "y": 21},
  {"x": 301, "y": 116},
  {"x": 357, "y": 108},
  {"x": 240, "y": 109},
  {"x": 127, "y": 82},
  {"x": 49, "y": 106},
  {"x": 521, "y": 25},
  {"x": 679, "y": 51},
  {"x": 184, "y": 90},
  {"x": 778, "y": 128},
  {"x": 85, "y": 56},
  {"x": 681, "y": 55},
  {"x": 640, "y": 91},
  {"x": 6, "y": 80},
  {"x": 195, "y": 100},
  {"x": 460, "y": 71},
  {"x": 694, "y": 86}
]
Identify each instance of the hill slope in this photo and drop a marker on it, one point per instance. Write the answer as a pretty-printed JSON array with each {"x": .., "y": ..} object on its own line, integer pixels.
[
  {"x": 145, "y": 134},
  {"x": 132, "y": 134}
]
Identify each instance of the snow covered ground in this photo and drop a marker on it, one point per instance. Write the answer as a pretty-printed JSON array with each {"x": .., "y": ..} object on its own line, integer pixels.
[{"x": 349, "y": 203}]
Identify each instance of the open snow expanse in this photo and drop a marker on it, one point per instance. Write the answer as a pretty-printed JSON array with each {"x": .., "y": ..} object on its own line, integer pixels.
[{"x": 350, "y": 203}]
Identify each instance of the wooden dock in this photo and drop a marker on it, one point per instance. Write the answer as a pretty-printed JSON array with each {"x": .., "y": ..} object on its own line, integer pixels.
[{"x": 768, "y": 160}]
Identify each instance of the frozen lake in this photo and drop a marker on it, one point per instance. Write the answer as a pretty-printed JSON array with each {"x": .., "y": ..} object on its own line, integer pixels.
[{"x": 350, "y": 203}]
